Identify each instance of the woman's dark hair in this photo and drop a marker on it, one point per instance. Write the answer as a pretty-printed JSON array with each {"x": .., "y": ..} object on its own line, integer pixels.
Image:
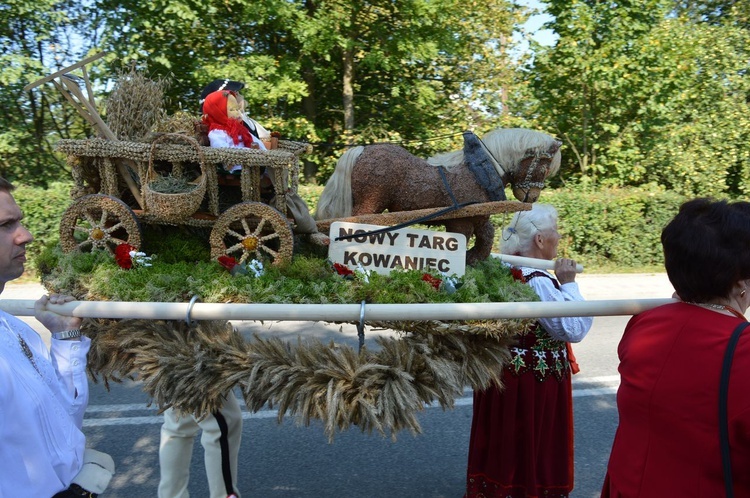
[{"x": 707, "y": 248}]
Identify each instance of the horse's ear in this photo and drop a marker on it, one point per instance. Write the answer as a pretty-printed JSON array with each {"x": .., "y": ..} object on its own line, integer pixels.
[{"x": 554, "y": 147}]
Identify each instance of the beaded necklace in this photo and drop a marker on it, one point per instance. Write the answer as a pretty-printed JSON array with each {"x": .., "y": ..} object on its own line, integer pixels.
[{"x": 721, "y": 307}]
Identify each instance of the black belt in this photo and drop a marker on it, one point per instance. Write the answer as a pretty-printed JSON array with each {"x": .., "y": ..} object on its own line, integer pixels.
[{"x": 75, "y": 491}]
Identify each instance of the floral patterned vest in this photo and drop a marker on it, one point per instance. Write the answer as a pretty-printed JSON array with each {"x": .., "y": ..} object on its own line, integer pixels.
[{"x": 536, "y": 351}]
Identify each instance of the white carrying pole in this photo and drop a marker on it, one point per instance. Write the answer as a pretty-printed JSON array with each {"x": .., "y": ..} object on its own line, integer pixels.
[
  {"x": 541, "y": 264},
  {"x": 337, "y": 312}
]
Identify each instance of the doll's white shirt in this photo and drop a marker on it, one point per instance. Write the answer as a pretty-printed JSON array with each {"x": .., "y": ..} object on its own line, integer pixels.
[
  {"x": 568, "y": 328},
  {"x": 41, "y": 411},
  {"x": 220, "y": 138}
]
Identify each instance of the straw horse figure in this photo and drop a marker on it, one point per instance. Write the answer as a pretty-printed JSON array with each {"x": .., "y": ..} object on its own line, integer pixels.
[{"x": 381, "y": 177}]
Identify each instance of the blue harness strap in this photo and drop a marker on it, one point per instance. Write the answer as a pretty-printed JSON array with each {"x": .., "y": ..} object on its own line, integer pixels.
[{"x": 480, "y": 164}]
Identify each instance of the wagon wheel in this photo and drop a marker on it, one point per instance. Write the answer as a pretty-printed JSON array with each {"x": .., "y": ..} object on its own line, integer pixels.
[
  {"x": 252, "y": 230},
  {"x": 98, "y": 221}
]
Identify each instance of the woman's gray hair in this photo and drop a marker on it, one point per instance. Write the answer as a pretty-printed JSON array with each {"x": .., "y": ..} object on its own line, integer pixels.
[{"x": 517, "y": 237}]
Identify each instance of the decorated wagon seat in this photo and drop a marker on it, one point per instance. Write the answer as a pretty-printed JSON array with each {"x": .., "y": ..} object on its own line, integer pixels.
[
  {"x": 232, "y": 177},
  {"x": 279, "y": 165},
  {"x": 96, "y": 164}
]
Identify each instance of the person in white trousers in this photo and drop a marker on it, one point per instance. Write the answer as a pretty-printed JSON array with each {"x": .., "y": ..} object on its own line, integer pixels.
[{"x": 221, "y": 437}]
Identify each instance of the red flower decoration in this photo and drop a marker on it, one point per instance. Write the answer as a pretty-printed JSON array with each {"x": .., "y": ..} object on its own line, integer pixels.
[
  {"x": 122, "y": 256},
  {"x": 433, "y": 281},
  {"x": 517, "y": 274},
  {"x": 342, "y": 270},
  {"x": 227, "y": 262}
]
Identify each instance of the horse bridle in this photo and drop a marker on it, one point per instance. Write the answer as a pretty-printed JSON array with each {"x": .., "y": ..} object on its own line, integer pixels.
[{"x": 526, "y": 184}]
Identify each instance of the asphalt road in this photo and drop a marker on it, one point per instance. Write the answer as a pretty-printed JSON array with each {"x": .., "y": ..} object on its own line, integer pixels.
[{"x": 288, "y": 460}]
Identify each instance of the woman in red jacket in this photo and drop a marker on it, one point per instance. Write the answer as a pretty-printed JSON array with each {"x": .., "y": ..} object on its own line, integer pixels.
[{"x": 667, "y": 442}]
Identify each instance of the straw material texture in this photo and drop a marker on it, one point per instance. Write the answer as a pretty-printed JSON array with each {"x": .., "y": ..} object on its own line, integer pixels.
[
  {"x": 191, "y": 367},
  {"x": 175, "y": 206}
]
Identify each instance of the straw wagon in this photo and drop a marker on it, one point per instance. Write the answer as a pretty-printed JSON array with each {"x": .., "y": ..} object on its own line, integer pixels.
[
  {"x": 117, "y": 186},
  {"x": 109, "y": 216}
]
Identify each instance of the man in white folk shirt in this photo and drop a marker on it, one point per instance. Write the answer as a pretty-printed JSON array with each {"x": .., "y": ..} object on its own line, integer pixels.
[{"x": 43, "y": 392}]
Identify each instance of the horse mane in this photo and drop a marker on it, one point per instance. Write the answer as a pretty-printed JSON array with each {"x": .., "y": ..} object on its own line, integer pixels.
[{"x": 508, "y": 146}]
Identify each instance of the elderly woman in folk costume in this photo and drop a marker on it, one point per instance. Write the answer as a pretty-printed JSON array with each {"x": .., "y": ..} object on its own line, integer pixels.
[
  {"x": 228, "y": 126},
  {"x": 522, "y": 436}
]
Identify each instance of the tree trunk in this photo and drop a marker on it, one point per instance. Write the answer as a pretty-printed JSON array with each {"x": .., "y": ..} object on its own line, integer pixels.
[{"x": 348, "y": 90}]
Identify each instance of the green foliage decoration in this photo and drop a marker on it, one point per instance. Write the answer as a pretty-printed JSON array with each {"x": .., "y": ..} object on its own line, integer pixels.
[{"x": 306, "y": 280}]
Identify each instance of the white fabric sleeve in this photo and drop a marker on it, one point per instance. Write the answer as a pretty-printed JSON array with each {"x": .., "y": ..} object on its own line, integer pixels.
[
  {"x": 69, "y": 360},
  {"x": 220, "y": 138},
  {"x": 571, "y": 328}
]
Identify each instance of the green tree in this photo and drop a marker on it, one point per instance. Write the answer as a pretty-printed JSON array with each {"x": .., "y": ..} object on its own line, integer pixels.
[
  {"x": 329, "y": 70},
  {"x": 36, "y": 38},
  {"x": 642, "y": 95}
]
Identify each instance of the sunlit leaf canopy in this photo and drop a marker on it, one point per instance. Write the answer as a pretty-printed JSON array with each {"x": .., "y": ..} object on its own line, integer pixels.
[{"x": 640, "y": 92}]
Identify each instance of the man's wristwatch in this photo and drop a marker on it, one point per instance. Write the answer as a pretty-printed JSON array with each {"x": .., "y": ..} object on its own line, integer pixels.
[{"x": 67, "y": 334}]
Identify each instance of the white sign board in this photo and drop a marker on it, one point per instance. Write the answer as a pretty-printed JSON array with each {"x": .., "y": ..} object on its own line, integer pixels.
[{"x": 408, "y": 249}]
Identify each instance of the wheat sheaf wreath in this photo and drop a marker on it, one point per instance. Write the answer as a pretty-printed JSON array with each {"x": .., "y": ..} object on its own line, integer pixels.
[{"x": 190, "y": 368}]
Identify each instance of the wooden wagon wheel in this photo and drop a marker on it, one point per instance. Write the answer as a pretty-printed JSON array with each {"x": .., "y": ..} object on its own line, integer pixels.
[
  {"x": 98, "y": 221},
  {"x": 252, "y": 230}
]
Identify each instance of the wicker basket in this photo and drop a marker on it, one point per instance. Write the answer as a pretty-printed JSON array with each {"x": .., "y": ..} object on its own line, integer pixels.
[{"x": 179, "y": 206}]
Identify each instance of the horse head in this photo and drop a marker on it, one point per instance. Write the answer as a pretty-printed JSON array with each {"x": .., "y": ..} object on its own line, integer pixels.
[
  {"x": 527, "y": 180},
  {"x": 524, "y": 158}
]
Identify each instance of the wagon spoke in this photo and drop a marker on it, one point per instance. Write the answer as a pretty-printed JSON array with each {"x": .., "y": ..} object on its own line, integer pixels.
[
  {"x": 259, "y": 228},
  {"x": 245, "y": 226},
  {"x": 103, "y": 220},
  {"x": 235, "y": 234},
  {"x": 85, "y": 243},
  {"x": 89, "y": 217},
  {"x": 235, "y": 248},
  {"x": 268, "y": 250},
  {"x": 270, "y": 236},
  {"x": 117, "y": 240},
  {"x": 113, "y": 227}
]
